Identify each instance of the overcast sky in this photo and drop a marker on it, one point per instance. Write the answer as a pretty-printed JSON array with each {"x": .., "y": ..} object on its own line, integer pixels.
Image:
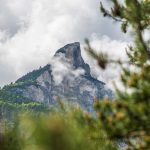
[{"x": 32, "y": 30}]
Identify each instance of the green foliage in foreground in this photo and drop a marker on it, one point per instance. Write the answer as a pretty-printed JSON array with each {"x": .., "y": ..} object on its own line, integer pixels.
[
  {"x": 70, "y": 130},
  {"x": 73, "y": 129}
]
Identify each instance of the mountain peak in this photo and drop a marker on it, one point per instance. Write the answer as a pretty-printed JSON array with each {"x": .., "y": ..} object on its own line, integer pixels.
[
  {"x": 69, "y": 47},
  {"x": 41, "y": 85},
  {"x": 73, "y": 53}
]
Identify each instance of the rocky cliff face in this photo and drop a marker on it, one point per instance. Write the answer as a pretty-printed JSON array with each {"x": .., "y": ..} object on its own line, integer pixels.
[
  {"x": 72, "y": 52},
  {"x": 75, "y": 85}
]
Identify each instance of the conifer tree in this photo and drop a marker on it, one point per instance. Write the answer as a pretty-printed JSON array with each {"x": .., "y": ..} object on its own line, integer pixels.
[{"x": 128, "y": 116}]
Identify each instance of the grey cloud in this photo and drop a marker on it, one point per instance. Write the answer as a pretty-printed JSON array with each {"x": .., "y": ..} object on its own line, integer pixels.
[
  {"x": 8, "y": 21},
  {"x": 11, "y": 22},
  {"x": 7, "y": 74}
]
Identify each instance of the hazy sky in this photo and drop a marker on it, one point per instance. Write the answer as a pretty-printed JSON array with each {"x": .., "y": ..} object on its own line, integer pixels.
[{"x": 32, "y": 30}]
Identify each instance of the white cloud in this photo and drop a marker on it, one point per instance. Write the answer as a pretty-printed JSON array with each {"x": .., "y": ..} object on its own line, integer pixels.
[
  {"x": 115, "y": 50},
  {"x": 61, "y": 68},
  {"x": 32, "y": 30}
]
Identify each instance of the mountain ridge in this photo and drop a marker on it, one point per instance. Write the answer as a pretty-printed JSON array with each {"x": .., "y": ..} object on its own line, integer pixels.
[{"x": 77, "y": 85}]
